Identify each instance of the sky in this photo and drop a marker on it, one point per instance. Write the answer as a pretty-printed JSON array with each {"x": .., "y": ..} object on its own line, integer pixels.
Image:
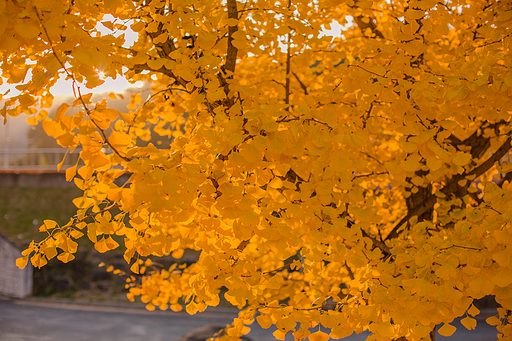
[{"x": 65, "y": 87}]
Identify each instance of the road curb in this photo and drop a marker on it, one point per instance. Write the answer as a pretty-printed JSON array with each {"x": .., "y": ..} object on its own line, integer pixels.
[{"x": 119, "y": 307}]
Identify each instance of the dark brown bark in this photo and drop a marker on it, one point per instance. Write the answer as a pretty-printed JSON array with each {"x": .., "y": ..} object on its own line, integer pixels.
[
  {"x": 451, "y": 187},
  {"x": 232, "y": 50}
]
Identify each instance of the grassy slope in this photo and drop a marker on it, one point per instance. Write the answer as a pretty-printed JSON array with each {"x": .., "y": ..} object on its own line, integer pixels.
[{"x": 22, "y": 210}]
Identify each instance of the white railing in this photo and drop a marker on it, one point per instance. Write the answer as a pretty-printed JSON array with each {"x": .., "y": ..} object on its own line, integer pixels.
[{"x": 36, "y": 159}]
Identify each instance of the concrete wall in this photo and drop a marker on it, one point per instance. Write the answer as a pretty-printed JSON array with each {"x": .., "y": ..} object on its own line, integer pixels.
[
  {"x": 14, "y": 282},
  {"x": 42, "y": 180},
  {"x": 36, "y": 180}
]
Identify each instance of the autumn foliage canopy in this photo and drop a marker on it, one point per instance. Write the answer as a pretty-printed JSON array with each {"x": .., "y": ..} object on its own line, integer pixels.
[{"x": 358, "y": 181}]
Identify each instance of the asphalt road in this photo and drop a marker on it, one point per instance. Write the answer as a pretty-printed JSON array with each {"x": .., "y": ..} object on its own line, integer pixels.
[{"x": 30, "y": 320}]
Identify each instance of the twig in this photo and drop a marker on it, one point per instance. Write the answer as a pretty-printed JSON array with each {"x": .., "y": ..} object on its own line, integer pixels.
[
  {"x": 462, "y": 247},
  {"x": 302, "y": 85},
  {"x": 372, "y": 157},
  {"x": 369, "y": 174},
  {"x": 286, "y": 119},
  {"x": 319, "y": 122},
  {"x": 149, "y": 99},
  {"x": 206, "y": 99},
  {"x": 283, "y": 85},
  {"x": 488, "y": 43},
  {"x": 296, "y": 118},
  {"x": 337, "y": 85},
  {"x": 78, "y": 221},
  {"x": 349, "y": 270},
  {"x": 373, "y": 73}
]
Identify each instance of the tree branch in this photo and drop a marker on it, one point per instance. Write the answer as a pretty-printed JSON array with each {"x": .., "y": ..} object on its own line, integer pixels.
[
  {"x": 302, "y": 85},
  {"x": 377, "y": 243}
]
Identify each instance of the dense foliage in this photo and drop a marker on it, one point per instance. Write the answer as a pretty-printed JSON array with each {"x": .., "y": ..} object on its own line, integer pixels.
[{"x": 359, "y": 181}]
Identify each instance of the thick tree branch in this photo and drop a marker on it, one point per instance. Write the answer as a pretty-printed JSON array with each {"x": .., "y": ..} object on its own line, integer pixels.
[
  {"x": 288, "y": 69},
  {"x": 476, "y": 141},
  {"x": 232, "y": 50},
  {"x": 451, "y": 187}
]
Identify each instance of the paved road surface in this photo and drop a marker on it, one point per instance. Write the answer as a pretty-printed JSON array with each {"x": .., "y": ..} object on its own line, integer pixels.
[{"x": 31, "y": 320}]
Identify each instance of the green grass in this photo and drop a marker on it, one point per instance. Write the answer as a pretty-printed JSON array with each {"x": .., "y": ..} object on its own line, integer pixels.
[{"x": 23, "y": 210}]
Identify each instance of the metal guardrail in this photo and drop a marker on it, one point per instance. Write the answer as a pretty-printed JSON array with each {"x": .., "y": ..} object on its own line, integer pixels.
[{"x": 36, "y": 159}]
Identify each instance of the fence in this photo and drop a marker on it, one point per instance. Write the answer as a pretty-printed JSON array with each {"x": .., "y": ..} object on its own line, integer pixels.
[{"x": 41, "y": 159}]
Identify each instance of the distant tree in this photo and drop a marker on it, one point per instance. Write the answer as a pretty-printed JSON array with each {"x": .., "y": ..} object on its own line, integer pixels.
[
  {"x": 37, "y": 137},
  {"x": 374, "y": 195}
]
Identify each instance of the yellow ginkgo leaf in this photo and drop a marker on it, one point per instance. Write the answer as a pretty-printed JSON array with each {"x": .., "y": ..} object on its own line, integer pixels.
[
  {"x": 264, "y": 321},
  {"x": 71, "y": 172},
  {"x": 135, "y": 268},
  {"x": 468, "y": 322},
  {"x": 385, "y": 329},
  {"x": 22, "y": 262},
  {"x": 66, "y": 257},
  {"x": 493, "y": 321},
  {"x": 49, "y": 224},
  {"x": 61, "y": 111},
  {"x": 461, "y": 158},
  {"x": 32, "y": 120},
  {"x": 319, "y": 336},
  {"x": 447, "y": 330},
  {"x": 119, "y": 140},
  {"x": 26, "y": 30},
  {"x": 414, "y": 14},
  {"x": 101, "y": 246}
]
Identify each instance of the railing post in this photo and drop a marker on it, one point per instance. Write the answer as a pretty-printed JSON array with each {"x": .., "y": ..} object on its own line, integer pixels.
[
  {"x": 5, "y": 159},
  {"x": 7, "y": 144}
]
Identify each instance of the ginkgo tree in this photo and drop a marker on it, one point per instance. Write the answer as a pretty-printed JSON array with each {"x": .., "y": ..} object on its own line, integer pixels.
[{"x": 357, "y": 181}]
